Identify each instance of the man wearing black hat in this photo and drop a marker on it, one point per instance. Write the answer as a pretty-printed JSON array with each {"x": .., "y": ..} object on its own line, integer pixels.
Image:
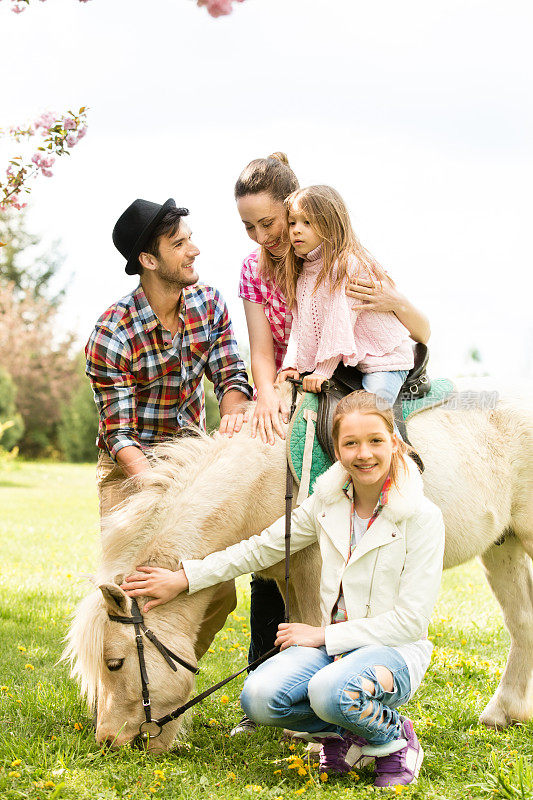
[{"x": 147, "y": 356}]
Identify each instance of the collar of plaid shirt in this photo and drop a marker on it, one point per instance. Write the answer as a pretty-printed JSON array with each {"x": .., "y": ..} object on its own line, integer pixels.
[{"x": 146, "y": 312}]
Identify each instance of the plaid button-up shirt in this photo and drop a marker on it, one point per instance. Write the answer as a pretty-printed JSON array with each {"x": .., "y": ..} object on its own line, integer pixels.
[{"x": 147, "y": 385}]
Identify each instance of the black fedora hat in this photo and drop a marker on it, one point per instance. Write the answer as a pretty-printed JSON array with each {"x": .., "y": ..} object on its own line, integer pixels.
[{"x": 134, "y": 228}]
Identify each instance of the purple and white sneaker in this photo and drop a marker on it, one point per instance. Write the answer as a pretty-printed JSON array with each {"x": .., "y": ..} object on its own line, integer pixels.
[
  {"x": 401, "y": 767},
  {"x": 338, "y": 754}
]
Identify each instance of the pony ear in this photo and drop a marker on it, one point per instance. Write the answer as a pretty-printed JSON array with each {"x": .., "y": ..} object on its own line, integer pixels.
[{"x": 115, "y": 599}]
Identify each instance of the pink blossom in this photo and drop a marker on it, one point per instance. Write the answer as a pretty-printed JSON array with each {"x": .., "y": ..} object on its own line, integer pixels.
[
  {"x": 69, "y": 123},
  {"x": 71, "y": 140},
  {"x": 47, "y": 173},
  {"x": 18, "y": 9},
  {"x": 83, "y": 130},
  {"x": 217, "y": 8},
  {"x": 46, "y": 120}
]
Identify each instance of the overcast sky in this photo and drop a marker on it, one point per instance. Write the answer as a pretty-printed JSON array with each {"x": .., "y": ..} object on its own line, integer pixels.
[{"x": 419, "y": 113}]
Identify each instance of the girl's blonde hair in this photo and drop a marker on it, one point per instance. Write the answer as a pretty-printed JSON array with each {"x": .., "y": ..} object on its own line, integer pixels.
[
  {"x": 326, "y": 211},
  {"x": 368, "y": 403},
  {"x": 274, "y": 176}
]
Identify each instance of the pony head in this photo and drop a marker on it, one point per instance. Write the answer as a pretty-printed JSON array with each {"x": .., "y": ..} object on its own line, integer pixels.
[{"x": 104, "y": 658}]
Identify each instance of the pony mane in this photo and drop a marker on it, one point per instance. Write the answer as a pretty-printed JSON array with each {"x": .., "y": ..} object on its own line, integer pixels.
[
  {"x": 174, "y": 466},
  {"x": 85, "y": 645}
]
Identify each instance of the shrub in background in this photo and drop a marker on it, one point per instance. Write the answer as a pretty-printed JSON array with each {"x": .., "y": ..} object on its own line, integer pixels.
[
  {"x": 11, "y": 424},
  {"x": 78, "y": 427}
]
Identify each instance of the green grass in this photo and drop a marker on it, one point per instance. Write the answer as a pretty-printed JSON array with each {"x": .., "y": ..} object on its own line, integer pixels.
[{"x": 49, "y": 539}]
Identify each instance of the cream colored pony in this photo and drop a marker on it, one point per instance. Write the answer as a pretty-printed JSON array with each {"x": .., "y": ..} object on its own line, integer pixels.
[{"x": 209, "y": 492}]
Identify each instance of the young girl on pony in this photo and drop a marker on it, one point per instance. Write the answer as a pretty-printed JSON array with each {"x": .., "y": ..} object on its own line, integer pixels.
[
  {"x": 325, "y": 255},
  {"x": 382, "y": 545}
]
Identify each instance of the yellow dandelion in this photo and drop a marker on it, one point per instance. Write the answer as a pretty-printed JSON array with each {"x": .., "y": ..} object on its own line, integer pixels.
[
  {"x": 300, "y": 791},
  {"x": 13, "y": 774},
  {"x": 21, "y": 648},
  {"x": 16, "y": 763},
  {"x": 29, "y": 667},
  {"x": 463, "y": 641},
  {"x": 302, "y": 771},
  {"x": 354, "y": 775},
  {"x": 232, "y": 776},
  {"x": 158, "y": 773},
  {"x": 53, "y": 737},
  {"x": 224, "y": 699},
  {"x": 211, "y": 650},
  {"x": 277, "y": 772},
  {"x": 213, "y": 722},
  {"x": 49, "y": 784},
  {"x": 398, "y": 789},
  {"x": 222, "y": 649},
  {"x": 323, "y": 777},
  {"x": 4, "y": 688},
  {"x": 77, "y": 726},
  {"x": 292, "y": 747}
]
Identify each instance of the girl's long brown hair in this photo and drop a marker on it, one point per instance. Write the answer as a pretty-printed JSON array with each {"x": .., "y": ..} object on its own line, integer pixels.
[
  {"x": 274, "y": 176},
  {"x": 326, "y": 211},
  {"x": 368, "y": 403}
]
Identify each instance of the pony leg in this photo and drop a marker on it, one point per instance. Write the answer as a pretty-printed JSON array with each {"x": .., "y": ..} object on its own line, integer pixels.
[{"x": 510, "y": 575}]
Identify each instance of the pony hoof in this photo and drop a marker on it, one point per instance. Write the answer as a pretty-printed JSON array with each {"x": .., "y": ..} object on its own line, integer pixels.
[{"x": 493, "y": 716}]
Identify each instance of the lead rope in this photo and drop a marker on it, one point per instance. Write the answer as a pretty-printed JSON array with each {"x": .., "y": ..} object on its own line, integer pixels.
[{"x": 289, "y": 486}]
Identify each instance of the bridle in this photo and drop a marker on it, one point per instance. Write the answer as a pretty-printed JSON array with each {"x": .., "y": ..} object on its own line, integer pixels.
[{"x": 137, "y": 620}]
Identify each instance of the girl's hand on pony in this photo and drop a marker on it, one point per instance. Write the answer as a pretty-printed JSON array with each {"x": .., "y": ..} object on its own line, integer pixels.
[
  {"x": 313, "y": 383},
  {"x": 269, "y": 415},
  {"x": 161, "y": 584},
  {"x": 379, "y": 295},
  {"x": 290, "y": 633},
  {"x": 287, "y": 373}
]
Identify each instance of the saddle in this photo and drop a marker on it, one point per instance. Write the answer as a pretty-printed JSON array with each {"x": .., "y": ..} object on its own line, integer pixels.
[{"x": 349, "y": 379}]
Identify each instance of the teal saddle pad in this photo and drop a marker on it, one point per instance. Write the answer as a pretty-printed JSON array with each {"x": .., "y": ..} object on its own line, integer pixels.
[{"x": 440, "y": 391}]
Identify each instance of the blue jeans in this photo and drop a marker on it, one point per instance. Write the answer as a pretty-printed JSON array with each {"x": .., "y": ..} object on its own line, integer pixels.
[
  {"x": 385, "y": 385},
  {"x": 304, "y": 689}
]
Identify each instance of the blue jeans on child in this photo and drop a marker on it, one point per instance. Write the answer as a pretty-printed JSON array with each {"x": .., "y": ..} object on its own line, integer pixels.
[
  {"x": 386, "y": 385},
  {"x": 304, "y": 689}
]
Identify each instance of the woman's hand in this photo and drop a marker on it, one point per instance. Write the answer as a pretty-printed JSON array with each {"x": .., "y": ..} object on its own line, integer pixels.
[
  {"x": 313, "y": 383},
  {"x": 269, "y": 415},
  {"x": 374, "y": 296},
  {"x": 284, "y": 374},
  {"x": 290, "y": 633},
  {"x": 161, "y": 584}
]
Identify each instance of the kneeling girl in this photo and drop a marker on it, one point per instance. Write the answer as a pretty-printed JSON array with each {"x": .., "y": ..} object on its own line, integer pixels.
[{"x": 382, "y": 546}]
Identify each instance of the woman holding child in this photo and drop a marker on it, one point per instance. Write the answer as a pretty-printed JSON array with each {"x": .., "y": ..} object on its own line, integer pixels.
[{"x": 268, "y": 276}]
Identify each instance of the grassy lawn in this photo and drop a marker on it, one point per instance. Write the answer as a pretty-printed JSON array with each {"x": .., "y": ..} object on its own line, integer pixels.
[{"x": 49, "y": 539}]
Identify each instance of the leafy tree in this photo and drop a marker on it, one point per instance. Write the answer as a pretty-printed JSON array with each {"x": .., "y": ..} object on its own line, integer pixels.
[
  {"x": 41, "y": 367},
  {"x": 11, "y": 424},
  {"x": 78, "y": 427},
  {"x": 24, "y": 263}
]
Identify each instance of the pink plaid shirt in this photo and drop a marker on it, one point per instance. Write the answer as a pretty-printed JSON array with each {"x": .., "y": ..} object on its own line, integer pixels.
[{"x": 256, "y": 289}]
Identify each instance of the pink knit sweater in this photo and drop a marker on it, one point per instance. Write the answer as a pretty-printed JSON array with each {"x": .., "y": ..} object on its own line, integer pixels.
[{"x": 325, "y": 329}]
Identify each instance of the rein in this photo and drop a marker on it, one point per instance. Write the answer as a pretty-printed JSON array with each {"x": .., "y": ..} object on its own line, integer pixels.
[{"x": 137, "y": 621}]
